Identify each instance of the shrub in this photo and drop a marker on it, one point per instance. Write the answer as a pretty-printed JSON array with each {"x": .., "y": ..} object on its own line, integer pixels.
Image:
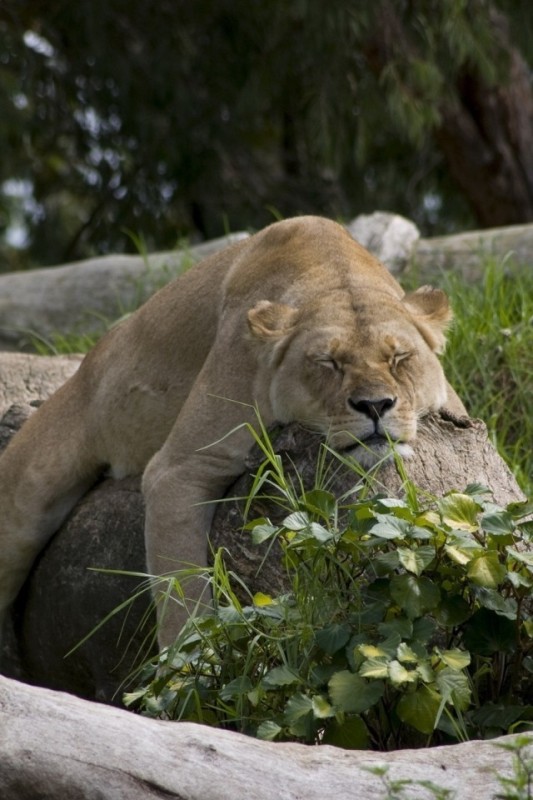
[{"x": 406, "y": 622}]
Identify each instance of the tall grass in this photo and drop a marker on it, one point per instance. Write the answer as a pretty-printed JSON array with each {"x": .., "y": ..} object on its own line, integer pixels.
[{"x": 489, "y": 359}]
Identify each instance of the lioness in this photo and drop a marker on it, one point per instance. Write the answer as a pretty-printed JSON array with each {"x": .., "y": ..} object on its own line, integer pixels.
[{"x": 298, "y": 320}]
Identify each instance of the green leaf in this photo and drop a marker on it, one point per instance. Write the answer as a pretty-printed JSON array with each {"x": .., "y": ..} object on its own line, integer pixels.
[
  {"x": 298, "y": 715},
  {"x": 497, "y": 523},
  {"x": 389, "y": 527},
  {"x": 320, "y": 533},
  {"x": 493, "y": 600},
  {"x": 322, "y": 502},
  {"x": 236, "y": 688},
  {"x": 452, "y": 611},
  {"x": 454, "y": 687},
  {"x": 350, "y": 693},
  {"x": 398, "y": 674},
  {"x": 455, "y": 659},
  {"x": 521, "y": 509},
  {"x": 405, "y": 654},
  {"x": 298, "y": 521},
  {"x": 417, "y": 559},
  {"x": 460, "y": 511},
  {"x": 352, "y": 734},
  {"x": 419, "y": 709},
  {"x": 375, "y": 668},
  {"x": 414, "y": 595},
  {"x": 261, "y": 533},
  {"x": 500, "y": 715},
  {"x": 268, "y": 730},
  {"x": 279, "y": 676},
  {"x": 486, "y": 633},
  {"x": 523, "y": 558},
  {"x": 400, "y": 626},
  {"x": 321, "y": 707},
  {"x": 485, "y": 570},
  {"x": 423, "y": 630},
  {"x": 333, "y": 638}
]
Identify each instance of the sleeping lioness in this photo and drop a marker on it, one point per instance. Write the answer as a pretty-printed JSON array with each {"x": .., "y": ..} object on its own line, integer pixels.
[{"x": 298, "y": 321}]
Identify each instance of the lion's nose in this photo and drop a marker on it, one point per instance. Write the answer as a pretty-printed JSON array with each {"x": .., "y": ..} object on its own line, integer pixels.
[{"x": 374, "y": 409}]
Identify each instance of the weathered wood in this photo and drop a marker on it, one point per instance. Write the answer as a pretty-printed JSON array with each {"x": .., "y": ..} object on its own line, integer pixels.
[{"x": 53, "y": 745}]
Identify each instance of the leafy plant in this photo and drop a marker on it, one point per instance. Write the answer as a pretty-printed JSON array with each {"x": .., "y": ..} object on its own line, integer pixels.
[{"x": 404, "y": 622}]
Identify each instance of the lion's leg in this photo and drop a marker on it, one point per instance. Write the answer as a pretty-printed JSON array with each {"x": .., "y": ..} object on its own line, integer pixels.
[
  {"x": 194, "y": 467},
  {"x": 44, "y": 470}
]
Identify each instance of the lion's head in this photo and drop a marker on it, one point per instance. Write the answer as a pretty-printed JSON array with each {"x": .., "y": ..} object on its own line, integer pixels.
[{"x": 360, "y": 370}]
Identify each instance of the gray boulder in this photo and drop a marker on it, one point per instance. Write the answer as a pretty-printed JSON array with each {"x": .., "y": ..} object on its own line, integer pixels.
[{"x": 390, "y": 237}]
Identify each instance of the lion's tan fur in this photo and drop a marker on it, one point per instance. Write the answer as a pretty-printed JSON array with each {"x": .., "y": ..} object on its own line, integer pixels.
[{"x": 299, "y": 321}]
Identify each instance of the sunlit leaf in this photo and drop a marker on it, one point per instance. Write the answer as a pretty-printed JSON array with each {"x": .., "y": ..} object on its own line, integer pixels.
[
  {"x": 261, "y": 599},
  {"x": 298, "y": 521},
  {"x": 375, "y": 668},
  {"x": 321, "y": 707},
  {"x": 455, "y": 659},
  {"x": 485, "y": 570},
  {"x": 417, "y": 559},
  {"x": 389, "y": 527},
  {"x": 460, "y": 511},
  {"x": 399, "y": 674},
  {"x": 406, "y": 654}
]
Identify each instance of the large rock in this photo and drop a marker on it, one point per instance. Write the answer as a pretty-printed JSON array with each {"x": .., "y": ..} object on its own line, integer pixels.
[
  {"x": 30, "y": 379},
  {"x": 390, "y": 237},
  {"x": 57, "y": 746},
  {"x": 64, "y": 599},
  {"x": 86, "y": 296}
]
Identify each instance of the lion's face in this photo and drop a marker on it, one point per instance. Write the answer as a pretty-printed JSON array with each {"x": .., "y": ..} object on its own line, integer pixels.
[{"x": 361, "y": 373}]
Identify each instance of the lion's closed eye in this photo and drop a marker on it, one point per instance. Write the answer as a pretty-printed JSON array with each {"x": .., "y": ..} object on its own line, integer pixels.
[{"x": 399, "y": 358}]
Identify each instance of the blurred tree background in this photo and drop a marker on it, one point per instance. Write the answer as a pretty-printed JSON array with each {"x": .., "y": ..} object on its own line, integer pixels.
[{"x": 185, "y": 118}]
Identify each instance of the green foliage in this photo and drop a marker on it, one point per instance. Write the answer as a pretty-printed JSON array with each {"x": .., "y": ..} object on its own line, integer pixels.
[
  {"x": 123, "y": 116},
  {"x": 488, "y": 359},
  {"x": 403, "y": 623}
]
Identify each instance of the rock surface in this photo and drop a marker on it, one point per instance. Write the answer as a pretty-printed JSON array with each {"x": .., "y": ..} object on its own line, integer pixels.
[
  {"x": 28, "y": 378},
  {"x": 58, "y": 746},
  {"x": 64, "y": 599},
  {"x": 466, "y": 253},
  {"x": 87, "y": 296},
  {"x": 390, "y": 237}
]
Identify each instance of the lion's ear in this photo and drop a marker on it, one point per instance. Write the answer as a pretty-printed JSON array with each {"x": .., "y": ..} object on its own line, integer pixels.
[
  {"x": 271, "y": 320},
  {"x": 432, "y": 313}
]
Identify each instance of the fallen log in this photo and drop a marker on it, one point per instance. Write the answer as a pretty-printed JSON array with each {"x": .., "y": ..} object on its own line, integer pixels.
[{"x": 54, "y": 745}]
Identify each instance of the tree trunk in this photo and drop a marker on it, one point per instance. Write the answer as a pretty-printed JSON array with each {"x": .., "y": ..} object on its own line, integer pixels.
[
  {"x": 487, "y": 139},
  {"x": 486, "y": 129}
]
